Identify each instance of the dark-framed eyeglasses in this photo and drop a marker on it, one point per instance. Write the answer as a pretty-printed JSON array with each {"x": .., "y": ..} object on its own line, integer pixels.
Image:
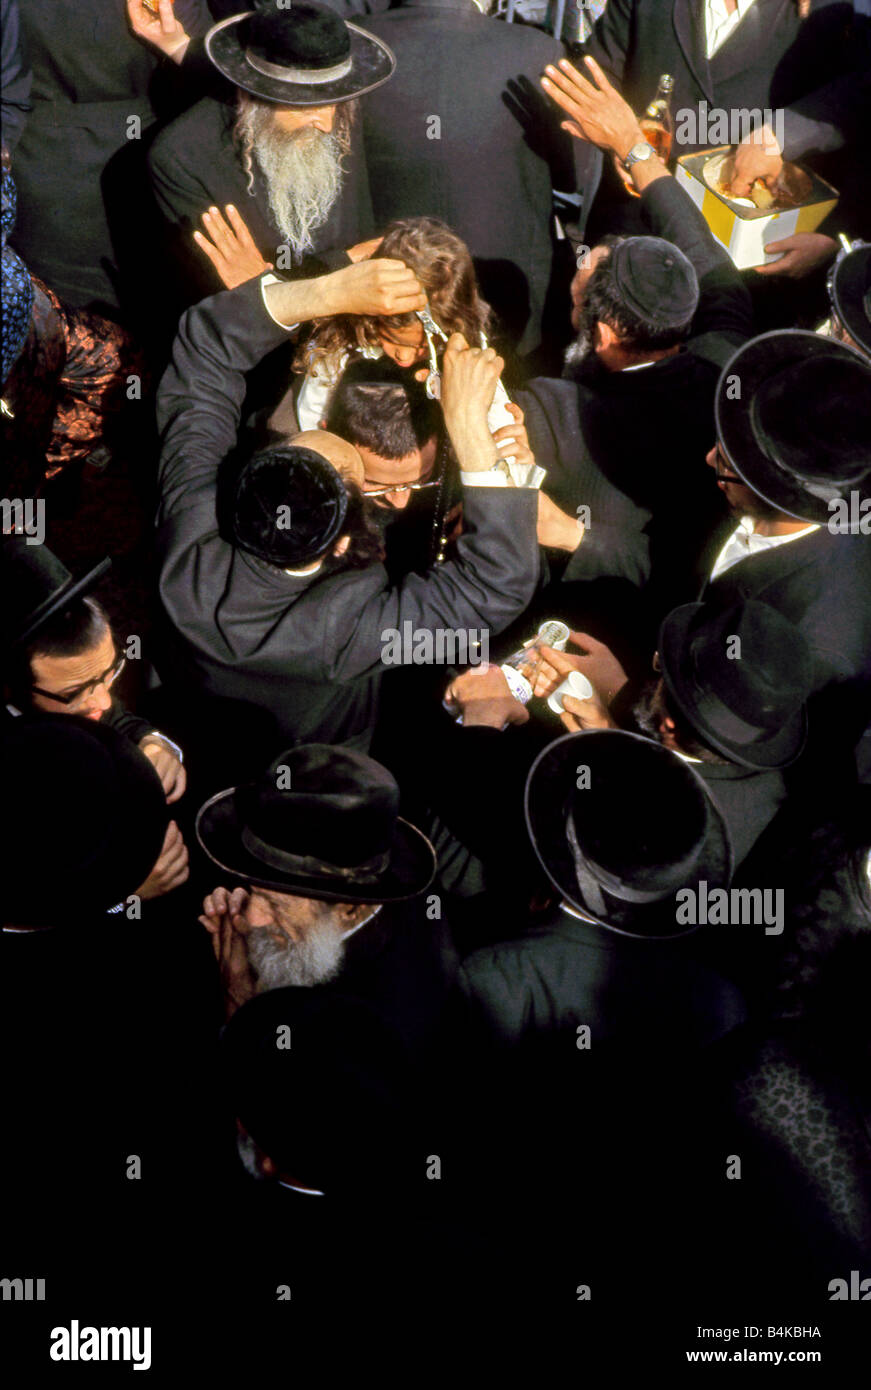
[
  {"x": 399, "y": 487},
  {"x": 108, "y": 678},
  {"x": 719, "y": 464}
]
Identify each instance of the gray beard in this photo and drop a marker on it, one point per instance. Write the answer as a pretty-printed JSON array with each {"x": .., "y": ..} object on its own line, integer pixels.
[
  {"x": 303, "y": 174},
  {"x": 312, "y": 960}
]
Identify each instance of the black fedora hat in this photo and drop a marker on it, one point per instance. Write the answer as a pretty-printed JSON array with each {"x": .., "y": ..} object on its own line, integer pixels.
[
  {"x": 88, "y": 818},
  {"x": 36, "y": 586},
  {"x": 751, "y": 708},
  {"x": 301, "y": 54},
  {"x": 851, "y": 294},
  {"x": 327, "y": 1108},
  {"x": 641, "y": 827},
  {"x": 798, "y": 430},
  {"x": 321, "y": 822}
]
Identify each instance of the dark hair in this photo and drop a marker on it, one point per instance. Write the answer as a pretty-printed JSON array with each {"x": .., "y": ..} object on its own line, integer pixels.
[
  {"x": 603, "y": 303},
  {"x": 72, "y": 632},
  {"x": 378, "y": 405},
  {"x": 652, "y": 704}
]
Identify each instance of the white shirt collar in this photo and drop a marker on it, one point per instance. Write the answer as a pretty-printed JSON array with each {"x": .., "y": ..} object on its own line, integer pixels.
[
  {"x": 744, "y": 541},
  {"x": 719, "y": 24}
]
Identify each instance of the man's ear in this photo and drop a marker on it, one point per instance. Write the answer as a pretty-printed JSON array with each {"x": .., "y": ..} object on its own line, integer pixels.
[
  {"x": 605, "y": 337},
  {"x": 341, "y": 546},
  {"x": 351, "y": 913},
  {"x": 322, "y": 424}
]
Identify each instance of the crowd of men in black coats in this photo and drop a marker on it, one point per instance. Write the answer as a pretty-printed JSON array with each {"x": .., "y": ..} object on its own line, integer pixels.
[{"x": 436, "y": 680}]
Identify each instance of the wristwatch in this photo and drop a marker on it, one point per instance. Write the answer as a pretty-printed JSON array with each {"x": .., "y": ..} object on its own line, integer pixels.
[{"x": 639, "y": 151}]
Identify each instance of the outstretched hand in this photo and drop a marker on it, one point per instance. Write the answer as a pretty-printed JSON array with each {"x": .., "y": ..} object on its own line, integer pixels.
[
  {"x": 598, "y": 113},
  {"x": 230, "y": 247}
]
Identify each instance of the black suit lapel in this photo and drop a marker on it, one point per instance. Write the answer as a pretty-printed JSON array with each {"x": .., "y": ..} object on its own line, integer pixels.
[
  {"x": 752, "y": 36},
  {"x": 688, "y": 18}
]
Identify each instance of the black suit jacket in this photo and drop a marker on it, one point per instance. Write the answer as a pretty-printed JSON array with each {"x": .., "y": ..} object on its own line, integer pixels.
[
  {"x": 194, "y": 164},
  {"x": 631, "y": 445},
  {"x": 822, "y": 583},
  {"x": 770, "y": 60},
  {"x": 568, "y": 972},
  {"x": 79, "y": 164},
  {"x": 487, "y": 167},
  {"x": 306, "y": 649}
]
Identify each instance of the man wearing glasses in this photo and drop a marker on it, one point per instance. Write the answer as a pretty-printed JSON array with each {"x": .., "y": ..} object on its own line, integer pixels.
[{"x": 59, "y": 656}]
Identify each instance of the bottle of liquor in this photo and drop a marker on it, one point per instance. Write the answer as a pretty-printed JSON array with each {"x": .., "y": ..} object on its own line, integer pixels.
[{"x": 657, "y": 123}]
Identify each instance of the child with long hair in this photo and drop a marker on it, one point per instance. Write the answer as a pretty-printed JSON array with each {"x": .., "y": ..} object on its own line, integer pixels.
[{"x": 442, "y": 264}]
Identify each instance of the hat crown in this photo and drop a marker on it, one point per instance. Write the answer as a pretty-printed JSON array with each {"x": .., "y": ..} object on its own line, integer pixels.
[
  {"x": 30, "y": 575},
  {"x": 617, "y": 821},
  {"x": 90, "y": 816},
  {"x": 301, "y": 35},
  {"x": 656, "y": 280},
  {"x": 754, "y": 660},
  {"x": 323, "y": 803},
  {"x": 814, "y": 416}
]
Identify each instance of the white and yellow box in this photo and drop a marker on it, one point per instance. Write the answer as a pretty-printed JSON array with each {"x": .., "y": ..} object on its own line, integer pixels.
[{"x": 745, "y": 232}]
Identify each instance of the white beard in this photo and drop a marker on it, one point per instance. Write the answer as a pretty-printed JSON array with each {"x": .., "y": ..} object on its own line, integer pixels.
[
  {"x": 312, "y": 960},
  {"x": 303, "y": 173}
]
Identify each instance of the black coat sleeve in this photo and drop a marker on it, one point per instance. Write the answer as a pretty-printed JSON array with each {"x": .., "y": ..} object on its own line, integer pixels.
[
  {"x": 490, "y": 582},
  {"x": 200, "y": 396},
  {"x": 131, "y": 726}
]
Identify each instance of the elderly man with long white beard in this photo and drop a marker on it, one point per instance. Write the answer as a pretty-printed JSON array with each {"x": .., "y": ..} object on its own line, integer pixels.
[{"x": 271, "y": 175}]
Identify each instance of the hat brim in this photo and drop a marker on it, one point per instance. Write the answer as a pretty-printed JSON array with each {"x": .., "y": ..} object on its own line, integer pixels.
[
  {"x": 752, "y": 365},
  {"x": 60, "y": 600},
  {"x": 372, "y": 63},
  {"x": 551, "y": 777},
  {"x": 850, "y": 284},
  {"x": 777, "y": 750},
  {"x": 410, "y": 869}
]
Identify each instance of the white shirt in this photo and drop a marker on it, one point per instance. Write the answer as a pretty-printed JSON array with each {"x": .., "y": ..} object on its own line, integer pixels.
[
  {"x": 719, "y": 24},
  {"x": 744, "y": 541},
  {"x": 317, "y": 388}
]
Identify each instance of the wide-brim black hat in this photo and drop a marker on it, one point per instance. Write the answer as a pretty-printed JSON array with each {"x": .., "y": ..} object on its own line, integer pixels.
[
  {"x": 343, "y": 1072},
  {"x": 851, "y": 295},
  {"x": 793, "y": 417},
  {"x": 628, "y": 908},
  {"x": 36, "y": 586},
  {"x": 320, "y": 823},
  {"x": 741, "y": 736},
  {"x": 304, "y": 55},
  {"x": 88, "y": 818}
]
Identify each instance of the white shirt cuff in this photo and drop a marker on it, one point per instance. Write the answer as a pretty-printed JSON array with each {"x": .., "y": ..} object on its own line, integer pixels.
[
  {"x": 520, "y": 475},
  {"x": 265, "y": 281}
]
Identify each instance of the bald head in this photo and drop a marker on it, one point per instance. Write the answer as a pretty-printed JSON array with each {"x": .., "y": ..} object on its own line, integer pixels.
[{"x": 342, "y": 455}]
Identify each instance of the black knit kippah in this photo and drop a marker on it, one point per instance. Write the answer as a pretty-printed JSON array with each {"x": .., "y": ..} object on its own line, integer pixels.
[
  {"x": 289, "y": 506},
  {"x": 656, "y": 281}
]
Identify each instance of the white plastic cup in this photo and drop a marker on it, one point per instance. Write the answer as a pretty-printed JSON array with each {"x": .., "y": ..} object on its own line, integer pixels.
[
  {"x": 576, "y": 685},
  {"x": 553, "y": 633}
]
